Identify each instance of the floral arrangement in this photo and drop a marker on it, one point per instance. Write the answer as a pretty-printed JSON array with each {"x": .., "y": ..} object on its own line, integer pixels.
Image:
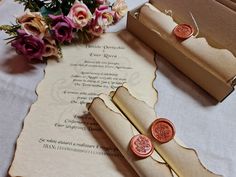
[{"x": 47, "y": 24}]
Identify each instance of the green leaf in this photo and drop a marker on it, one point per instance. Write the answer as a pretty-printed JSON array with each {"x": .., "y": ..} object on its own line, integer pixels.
[
  {"x": 33, "y": 5},
  {"x": 59, "y": 50},
  {"x": 10, "y": 29},
  {"x": 45, "y": 11},
  {"x": 66, "y": 5}
]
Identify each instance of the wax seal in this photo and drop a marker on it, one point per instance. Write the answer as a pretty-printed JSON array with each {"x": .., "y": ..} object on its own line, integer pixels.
[
  {"x": 141, "y": 146},
  {"x": 162, "y": 130},
  {"x": 183, "y": 31}
]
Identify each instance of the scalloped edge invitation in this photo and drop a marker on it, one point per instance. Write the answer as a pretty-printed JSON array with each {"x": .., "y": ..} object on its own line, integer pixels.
[{"x": 59, "y": 137}]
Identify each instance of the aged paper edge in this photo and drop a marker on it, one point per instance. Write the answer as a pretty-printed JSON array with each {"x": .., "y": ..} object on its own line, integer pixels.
[
  {"x": 176, "y": 140},
  {"x": 11, "y": 167}
]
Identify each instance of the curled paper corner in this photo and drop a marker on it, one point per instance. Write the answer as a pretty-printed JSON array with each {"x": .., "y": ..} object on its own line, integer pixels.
[
  {"x": 107, "y": 107},
  {"x": 106, "y": 99},
  {"x": 124, "y": 86},
  {"x": 111, "y": 93},
  {"x": 88, "y": 105},
  {"x": 101, "y": 100}
]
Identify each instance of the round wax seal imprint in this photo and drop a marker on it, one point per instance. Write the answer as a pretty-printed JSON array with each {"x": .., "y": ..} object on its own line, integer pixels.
[
  {"x": 141, "y": 146},
  {"x": 183, "y": 31},
  {"x": 163, "y": 130}
]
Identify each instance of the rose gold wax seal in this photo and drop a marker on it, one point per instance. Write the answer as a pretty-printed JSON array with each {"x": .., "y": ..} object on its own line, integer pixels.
[
  {"x": 183, "y": 31},
  {"x": 162, "y": 130},
  {"x": 141, "y": 146}
]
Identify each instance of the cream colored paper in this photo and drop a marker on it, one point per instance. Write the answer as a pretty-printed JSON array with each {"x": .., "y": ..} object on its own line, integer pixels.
[
  {"x": 120, "y": 131},
  {"x": 215, "y": 21},
  {"x": 59, "y": 138},
  {"x": 182, "y": 160},
  {"x": 219, "y": 62}
]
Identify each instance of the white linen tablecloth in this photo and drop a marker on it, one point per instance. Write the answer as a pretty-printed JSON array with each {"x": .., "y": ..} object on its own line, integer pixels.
[{"x": 201, "y": 123}]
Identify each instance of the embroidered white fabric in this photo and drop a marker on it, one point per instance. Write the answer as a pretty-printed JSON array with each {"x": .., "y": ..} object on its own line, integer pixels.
[{"x": 201, "y": 123}]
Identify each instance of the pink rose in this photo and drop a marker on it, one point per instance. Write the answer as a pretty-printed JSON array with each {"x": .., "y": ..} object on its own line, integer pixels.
[
  {"x": 119, "y": 9},
  {"x": 103, "y": 16},
  {"x": 50, "y": 47},
  {"x": 33, "y": 23},
  {"x": 80, "y": 14},
  {"x": 95, "y": 29},
  {"x": 62, "y": 28},
  {"x": 28, "y": 45}
]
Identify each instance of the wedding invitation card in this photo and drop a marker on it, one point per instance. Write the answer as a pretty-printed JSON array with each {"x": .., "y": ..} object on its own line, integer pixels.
[{"x": 59, "y": 137}]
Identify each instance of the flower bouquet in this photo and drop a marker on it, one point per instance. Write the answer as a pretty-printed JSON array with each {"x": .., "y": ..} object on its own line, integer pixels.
[{"x": 47, "y": 24}]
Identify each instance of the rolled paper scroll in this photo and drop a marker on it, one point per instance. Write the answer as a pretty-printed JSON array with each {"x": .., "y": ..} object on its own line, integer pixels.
[
  {"x": 211, "y": 68},
  {"x": 183, "y": 161},
  {"x": 215, "y": 19},
  {"x": 121, "y": 131},
  {"x": 220, "y": 62}
]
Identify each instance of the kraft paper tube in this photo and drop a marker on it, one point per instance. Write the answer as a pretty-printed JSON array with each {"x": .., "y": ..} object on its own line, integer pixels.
[
  {"x": 182, "y": 160},
  {"x": 120, "y": 131},
  {"x": 219, "y": 62},
  {"x": 228, "y": 3}
]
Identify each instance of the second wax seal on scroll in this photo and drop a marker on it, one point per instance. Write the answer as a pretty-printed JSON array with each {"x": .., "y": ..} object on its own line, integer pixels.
[
  {"x": 141, "y": 146},
  {"x": 163, "y": 130}
]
